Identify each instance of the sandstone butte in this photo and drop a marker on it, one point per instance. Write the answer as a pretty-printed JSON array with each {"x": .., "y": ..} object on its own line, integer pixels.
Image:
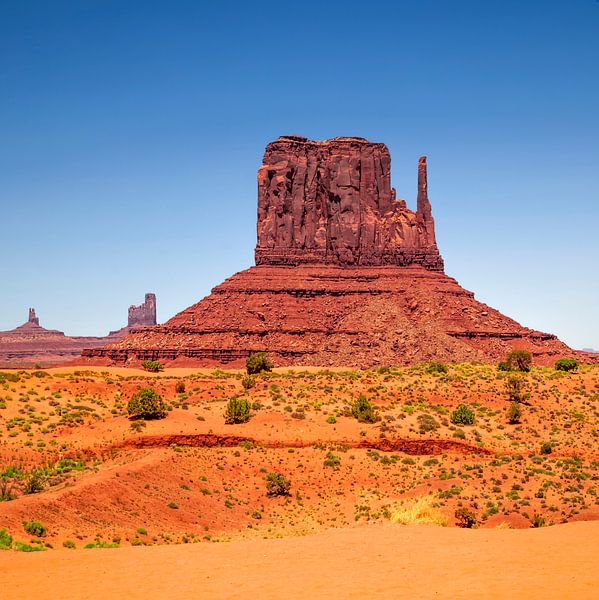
[
  {"x": 30, "y": 343},
  {"x": 346, "y": 275}
]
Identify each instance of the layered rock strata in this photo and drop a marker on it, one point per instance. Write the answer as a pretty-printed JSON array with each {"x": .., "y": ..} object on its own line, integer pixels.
[{"x": 345, "y": 275}]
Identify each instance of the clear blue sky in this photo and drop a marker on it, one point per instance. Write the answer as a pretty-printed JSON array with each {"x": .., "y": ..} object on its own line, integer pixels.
[{"x": 132, "y": 132}]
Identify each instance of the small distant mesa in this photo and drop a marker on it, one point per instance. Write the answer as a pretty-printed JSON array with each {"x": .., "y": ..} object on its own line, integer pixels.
[
  {"x": 30, "y": 343},
  {"x": 346, "y": 275}
]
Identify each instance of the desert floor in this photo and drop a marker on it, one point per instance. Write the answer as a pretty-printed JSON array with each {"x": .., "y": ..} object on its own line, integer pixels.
[
  {"x": 90, "y": 498},
  {"x": 358, "y": 562}
]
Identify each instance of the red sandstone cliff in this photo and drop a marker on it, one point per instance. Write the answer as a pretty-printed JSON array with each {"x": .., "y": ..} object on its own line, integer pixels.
[{"x": 346, "y": 275}]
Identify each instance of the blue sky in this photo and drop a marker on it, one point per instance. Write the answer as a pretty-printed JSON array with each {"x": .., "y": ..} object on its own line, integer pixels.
[{"x": 132, "y": 132}]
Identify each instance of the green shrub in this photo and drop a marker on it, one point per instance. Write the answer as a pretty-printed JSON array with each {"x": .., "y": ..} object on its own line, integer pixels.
[
  {"x": 515, "y": 387},
  {"x": 436, "y": 367},
  {"x": 153, "y": 366},
  {"x": 35, "y": 483},
  {"x": 6, "y": 490},
  {"x": 465, "y": 518},
  {"x": 258, "y": 362},
  {"x": 519, "y": 360},
  {"x": 566, "y": 364},
  {"x": 332, "y": 460},
  {"x": 331, "y": 420},
  {"x": 462, "y": 415},
  {"x": 34, "y": 528},
  {"x": 146, "y": 404},
  {"x": 427, "y": 423},
  {"x": 503, "y": 366},
  {"x": 237, "y": 411},
  {"x": 363, "y": 410},
  {"x": 538, "y": 521},
  {"x": 70, "y": 544},
  {"x": 248, "y": 382},
  {"x": 514, "y": 413},
  {"x": 5, "y": 540},
  {"x": 277, "y": 484},
  {"x": 180, "y": 387},
  {"x": 546, "y": 448}
]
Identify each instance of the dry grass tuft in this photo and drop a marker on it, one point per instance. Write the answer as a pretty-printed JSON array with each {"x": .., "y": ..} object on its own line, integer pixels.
[{"x": 418, "y": 511}]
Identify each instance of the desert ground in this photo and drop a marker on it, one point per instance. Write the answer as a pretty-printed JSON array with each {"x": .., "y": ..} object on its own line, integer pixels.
[{"x": 94, "y": 501}]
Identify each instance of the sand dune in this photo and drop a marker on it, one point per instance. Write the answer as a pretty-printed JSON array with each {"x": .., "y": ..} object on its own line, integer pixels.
[{"x": 360, "y": 562}]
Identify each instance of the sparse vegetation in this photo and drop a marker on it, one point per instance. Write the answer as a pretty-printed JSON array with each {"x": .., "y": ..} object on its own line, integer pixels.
[
  {"x": 566, "y": 364},
  {"x": 465, "y": 518},
  {"x": 277, "y": 484},
  {"x": 237, "y": 411},
  {"x": 146, "y": 404},
  {"x": 519, "y": 360},
  {"x": 257, "y": 363},
  {"x": 514, "y": 413},
  {"x": 153, "y": 366},
  {"x": 34, "y": 528},
  {"x": 363, "y": 410},
  {"x": 462, "y": 415}
]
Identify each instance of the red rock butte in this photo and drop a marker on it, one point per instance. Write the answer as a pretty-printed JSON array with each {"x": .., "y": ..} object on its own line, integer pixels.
[{"x": 346, "y": 275}]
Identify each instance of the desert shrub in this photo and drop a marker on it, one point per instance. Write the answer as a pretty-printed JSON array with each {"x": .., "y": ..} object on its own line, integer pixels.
[
  {"x": 566, "y": 364},
  {"x": 363, "y": 410},
  {"x": 70, "y": 544},
  {"x": 34, "y": 528},
  {"x": 153, "y": 366},
  {"x": 258, "y": 362},
  {"x": 180, "y": 387},
  {"x": 465, "y": 518},
  {"x": 332, "y": 460},
  {"x": 5, "y": 540},
  {"x": 35, "y": 483},
  {"x": 146, "y": 404},
  {"x": 6, "y": 490},
  {"x": 418, "y": 510},
  {"x": 248, "y": 382},
  {"x": 538, "y": 521},
  {"x": 331, "y": 420},
  {"x": 277, "y": 484},
  {"x": 436, "y": 367},
  {"x": 237, "y": 411},
  {"x": 519, "y": 360},
  {"x": 546, "y": 448},
  {"x": 503, "y": 366},
  {"x": 516, "y": 389},
  {"x": 462, "y": 415},
  {"x": 514, "y": 413},
  {"x": 383, "y": 370},
  {"x": 427, "y": 423}
]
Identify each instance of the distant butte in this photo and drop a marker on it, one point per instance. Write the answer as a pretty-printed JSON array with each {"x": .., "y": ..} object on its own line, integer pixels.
[
  {"x": 346, "y": 275},
  {"x": 30, "y": 343}
]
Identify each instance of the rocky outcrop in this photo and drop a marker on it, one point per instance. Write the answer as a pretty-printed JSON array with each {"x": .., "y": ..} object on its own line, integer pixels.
[
  {"x": 144, "y": 314},
  {"x": 332, "y": 203},
  {"x": 345, "y": 275},
  {"x": 30, "y": 343}
]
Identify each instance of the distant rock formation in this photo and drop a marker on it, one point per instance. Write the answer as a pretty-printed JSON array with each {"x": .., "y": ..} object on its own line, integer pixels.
[
  {"x": 144, "y": 314},
  {"x": 31, "y": 343},
  {"x": 346, "y": 275},
  {"x": 332, "y": 203}
]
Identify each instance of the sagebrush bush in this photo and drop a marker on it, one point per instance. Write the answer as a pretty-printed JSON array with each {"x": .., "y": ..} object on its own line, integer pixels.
[
  {"x": 519, "y": 360},
  {"x": 515, "y": 388},
  {"x": 180, "y": 387},
  {"x": 436, "y": 367},
  {"x": 5, "y": 540},
  {"x": 153, "y": 366},
  {"x": 146, "y": 404},
  {"x": 514, "y": 413},
  {"x": 277, "y": 484},
  {"x": 462, "y": 415},
  {"x": 363, "y": 410},
  {"x": 237, "y": 410},
  {"x": 546, "y": 448},
  {"x": 566, "y": 364},
  {"x": 34, "y": 528},
  {"x": 257, "y": 363},
  {"x": 248, "y": 382},
  {"x": 465, "y": 518}
]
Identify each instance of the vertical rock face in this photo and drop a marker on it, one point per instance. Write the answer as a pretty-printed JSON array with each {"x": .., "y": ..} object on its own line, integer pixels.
[
  {"x": 144, "y": 314},
  {"x": 332, "y": 202},
  {"x": 32, "y": 317}
]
